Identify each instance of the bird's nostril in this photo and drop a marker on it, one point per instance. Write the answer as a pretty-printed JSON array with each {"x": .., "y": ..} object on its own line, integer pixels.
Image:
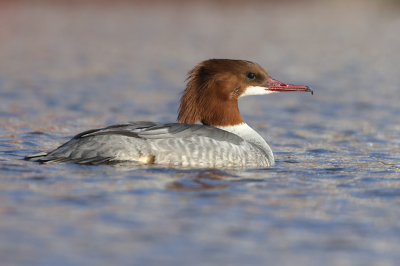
[{"x": 283, "y": 85}]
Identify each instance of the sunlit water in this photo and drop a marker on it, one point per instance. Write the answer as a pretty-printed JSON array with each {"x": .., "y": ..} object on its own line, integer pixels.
[{"x": 332, "y": 198}]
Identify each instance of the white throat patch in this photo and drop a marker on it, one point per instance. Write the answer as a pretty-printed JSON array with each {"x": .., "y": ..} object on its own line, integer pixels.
[{"x": 256, "y": 90}]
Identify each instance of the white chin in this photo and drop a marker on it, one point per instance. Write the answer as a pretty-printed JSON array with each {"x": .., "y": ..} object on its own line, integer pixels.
[{"x": 256, "y": 90}]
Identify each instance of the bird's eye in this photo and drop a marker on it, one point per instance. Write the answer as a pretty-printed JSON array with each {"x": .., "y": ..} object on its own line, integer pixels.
[{"x": 251, "y": 75}]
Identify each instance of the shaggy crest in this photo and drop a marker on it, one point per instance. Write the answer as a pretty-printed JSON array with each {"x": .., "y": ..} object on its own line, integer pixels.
[{"x": 212, "y": 92}]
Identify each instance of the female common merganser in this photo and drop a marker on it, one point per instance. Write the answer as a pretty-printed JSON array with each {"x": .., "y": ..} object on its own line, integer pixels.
[{"x": 211, "y": 97}]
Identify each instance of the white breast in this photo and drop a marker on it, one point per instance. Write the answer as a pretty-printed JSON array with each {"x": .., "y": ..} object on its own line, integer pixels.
[{"x": 199, "y": 151}]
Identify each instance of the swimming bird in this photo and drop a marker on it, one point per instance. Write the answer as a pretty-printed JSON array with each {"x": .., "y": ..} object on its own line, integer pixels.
[{"x": 222, "y": 139}]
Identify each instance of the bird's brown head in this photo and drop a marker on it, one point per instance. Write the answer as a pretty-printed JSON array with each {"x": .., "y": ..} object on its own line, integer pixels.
[{"x": 214, "y": 87}]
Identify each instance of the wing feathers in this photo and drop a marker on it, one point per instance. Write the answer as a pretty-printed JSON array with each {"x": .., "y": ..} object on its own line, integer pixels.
[
  {"x": 129, "y": 142},
  {"x": 149, "y": 130}
]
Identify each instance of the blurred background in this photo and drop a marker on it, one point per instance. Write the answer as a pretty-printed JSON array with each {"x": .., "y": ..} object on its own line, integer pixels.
[
  {"x": 71, "y": 55},
  {"x": 68, "y": 66}
]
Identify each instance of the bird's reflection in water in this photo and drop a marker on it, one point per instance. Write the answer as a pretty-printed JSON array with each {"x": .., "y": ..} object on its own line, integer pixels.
[{"x": 203, "y": 180}]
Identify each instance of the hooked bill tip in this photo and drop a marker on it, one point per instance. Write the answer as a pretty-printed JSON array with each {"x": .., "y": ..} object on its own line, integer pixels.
[{"x": 310, "y": 90}]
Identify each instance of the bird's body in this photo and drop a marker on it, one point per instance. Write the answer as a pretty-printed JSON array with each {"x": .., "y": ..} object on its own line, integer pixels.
[
  {"x": 165, "y": 144},
  {"x": 224, "y": 140}
]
